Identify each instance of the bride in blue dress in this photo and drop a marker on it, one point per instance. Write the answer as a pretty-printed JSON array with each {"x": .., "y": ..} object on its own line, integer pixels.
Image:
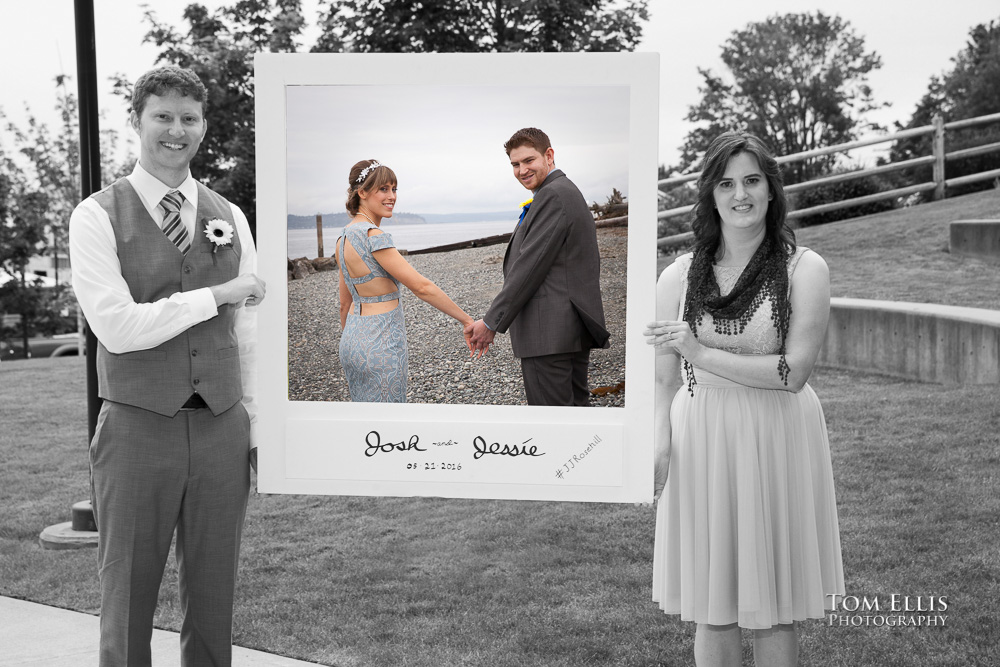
[{"x": 373, "y": 350}]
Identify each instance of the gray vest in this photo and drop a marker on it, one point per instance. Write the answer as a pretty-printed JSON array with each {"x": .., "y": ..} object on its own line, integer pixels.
[{"x": 204, "y": 359}]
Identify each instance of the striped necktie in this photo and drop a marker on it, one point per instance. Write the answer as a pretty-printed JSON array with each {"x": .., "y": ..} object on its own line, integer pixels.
[{"x": 172, "y": 225}]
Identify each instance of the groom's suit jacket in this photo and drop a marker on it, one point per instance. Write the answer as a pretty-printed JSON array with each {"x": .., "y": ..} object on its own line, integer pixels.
[{"x": 551, "y": 296}]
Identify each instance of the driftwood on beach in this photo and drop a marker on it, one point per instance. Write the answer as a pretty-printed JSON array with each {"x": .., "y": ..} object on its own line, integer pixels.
[
  {"x": 461, "y": 245},
  {"x": 497, "y": 239},
  {"x": 302, "y": 267},
  {"x": 621, "y": 221}
]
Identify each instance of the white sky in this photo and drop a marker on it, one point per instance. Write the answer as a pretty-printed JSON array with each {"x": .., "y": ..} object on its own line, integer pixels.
[
  {"x": 914, "y": 40},
  {"x": 445, "y": 143}
]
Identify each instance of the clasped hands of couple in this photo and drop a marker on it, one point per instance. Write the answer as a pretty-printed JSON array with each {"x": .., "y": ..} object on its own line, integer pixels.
[{"x": 478, "y": 338}]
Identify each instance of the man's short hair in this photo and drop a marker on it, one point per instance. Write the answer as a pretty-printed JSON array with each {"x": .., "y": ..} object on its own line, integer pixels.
[
  {"x": 168, "y": 79},
  {"x": 528, "y": 136}
]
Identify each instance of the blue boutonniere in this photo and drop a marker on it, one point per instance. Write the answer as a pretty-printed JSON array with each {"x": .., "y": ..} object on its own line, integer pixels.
[{"x": 525, "y": 205}]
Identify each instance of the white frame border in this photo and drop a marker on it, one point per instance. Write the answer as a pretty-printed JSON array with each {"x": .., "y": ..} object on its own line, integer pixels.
[{"x": 638, "y": 71}]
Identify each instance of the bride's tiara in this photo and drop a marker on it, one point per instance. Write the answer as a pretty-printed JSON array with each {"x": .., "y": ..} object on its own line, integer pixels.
[{"x": 367, "y": 170}]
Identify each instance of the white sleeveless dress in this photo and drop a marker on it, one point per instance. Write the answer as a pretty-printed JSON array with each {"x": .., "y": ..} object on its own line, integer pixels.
[{"x": 746, "y": 527}]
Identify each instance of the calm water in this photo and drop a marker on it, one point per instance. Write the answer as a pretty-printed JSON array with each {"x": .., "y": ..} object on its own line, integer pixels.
[{"x": 302, "y": 242}]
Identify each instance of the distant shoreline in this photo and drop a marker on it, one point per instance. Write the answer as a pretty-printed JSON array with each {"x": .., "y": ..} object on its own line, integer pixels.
[
  {"x": 303, "y": 243},
  {"x": 337, "y": 220}
]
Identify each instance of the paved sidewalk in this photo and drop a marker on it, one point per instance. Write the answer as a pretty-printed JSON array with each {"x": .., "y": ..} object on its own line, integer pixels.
[{"x": 36, "y": 635}]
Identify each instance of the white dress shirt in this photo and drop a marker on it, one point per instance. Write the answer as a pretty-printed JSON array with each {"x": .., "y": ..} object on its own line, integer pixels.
[{"x": 121, "y": 324}]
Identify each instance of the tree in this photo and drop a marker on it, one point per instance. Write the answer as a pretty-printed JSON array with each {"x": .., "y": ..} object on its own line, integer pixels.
[
  {"x": 23, "y": 223},
  {"x": 53, "y": 162},
  {"x": 970, "y": 89},
  {"x": 39, "y": 188},
  {"x": 482, "y": 25},
  {"x": 799, "y": 81},
  {"x": 219, "y": 47}
]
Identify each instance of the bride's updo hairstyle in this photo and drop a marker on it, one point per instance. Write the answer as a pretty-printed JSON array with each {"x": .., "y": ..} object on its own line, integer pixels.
[{"x": 367, "y": 175}]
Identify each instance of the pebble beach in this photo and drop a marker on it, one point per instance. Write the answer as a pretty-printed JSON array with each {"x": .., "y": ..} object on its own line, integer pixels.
[{"x": 439, "y": 364}]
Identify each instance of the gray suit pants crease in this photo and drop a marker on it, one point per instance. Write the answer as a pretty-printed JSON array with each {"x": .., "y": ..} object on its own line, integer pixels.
[
  {"x": 150, "y": 475},
  {"x": 557, "y": 379}
]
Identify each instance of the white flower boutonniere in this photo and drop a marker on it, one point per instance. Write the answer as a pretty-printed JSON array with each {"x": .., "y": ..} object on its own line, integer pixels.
[{"x": 219, "y": 232}]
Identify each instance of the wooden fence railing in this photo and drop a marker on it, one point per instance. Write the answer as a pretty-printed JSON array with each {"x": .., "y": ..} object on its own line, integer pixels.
[{"x": 938, "y": 158}]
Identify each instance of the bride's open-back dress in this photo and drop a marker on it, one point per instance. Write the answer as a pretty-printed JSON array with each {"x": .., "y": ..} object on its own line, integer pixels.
[{"x": 373, "y": 350}]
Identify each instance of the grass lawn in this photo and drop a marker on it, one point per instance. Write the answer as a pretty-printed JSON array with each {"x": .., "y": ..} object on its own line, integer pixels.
[
  {"x": 371, "y": 582},
  {"x": 902, "y": 255}
]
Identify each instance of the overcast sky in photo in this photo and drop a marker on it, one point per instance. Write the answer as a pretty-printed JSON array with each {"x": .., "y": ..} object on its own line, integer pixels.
[
  {"x": 445, "y": 143},
  {"x": 37, "y": 42}
]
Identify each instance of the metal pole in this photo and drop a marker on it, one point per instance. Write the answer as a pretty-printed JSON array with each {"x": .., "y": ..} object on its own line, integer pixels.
[
  {"x": 90, "y": 163},
  {"x": 82, "y": 530}
]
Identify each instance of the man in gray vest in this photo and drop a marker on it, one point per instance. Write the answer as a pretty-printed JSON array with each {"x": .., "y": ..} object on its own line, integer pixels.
[
  {"x": 551, "y": 295},
  {"x": 164, "y": 270}
]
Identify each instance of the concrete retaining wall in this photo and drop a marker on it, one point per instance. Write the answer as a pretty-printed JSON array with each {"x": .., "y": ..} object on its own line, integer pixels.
[
  {"x": 975, "y": 238},
  {"x": 919, "y": 341}
]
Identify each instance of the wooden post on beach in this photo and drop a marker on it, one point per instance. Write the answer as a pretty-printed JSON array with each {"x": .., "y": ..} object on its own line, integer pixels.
[{"x": 319, "y": 234}]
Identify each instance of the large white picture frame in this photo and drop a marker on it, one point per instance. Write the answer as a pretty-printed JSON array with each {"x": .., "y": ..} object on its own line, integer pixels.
[{"x": 474, "y": 451}]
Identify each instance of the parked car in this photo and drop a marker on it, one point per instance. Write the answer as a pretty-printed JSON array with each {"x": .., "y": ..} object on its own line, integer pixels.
[{"x": 61, "y": 345}]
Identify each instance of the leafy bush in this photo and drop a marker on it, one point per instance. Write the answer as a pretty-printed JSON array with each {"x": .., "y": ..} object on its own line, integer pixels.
[
  {"x": 675, "y": 197},
  {"x": 971, "y": 138},
  {"x": 826, "y": 194}
]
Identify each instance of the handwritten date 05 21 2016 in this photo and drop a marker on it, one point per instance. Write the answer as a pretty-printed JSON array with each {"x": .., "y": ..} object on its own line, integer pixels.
[{"x": 374, "y": 445}]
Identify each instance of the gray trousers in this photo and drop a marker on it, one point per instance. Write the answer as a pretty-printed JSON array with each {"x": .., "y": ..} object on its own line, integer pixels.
[
  {"x": 150, "y": 475},
  {"x": 557, "y": 379}
]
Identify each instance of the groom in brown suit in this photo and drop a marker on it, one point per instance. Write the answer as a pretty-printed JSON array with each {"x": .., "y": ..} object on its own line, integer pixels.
[
  {"x": 164, "y": 270},
  {"x": 551, "y": 296}
]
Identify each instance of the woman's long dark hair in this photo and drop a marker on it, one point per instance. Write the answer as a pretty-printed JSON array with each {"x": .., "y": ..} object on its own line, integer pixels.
[
  {"x": 765, "y": 277},
  {"x": 707, "y": 226}
]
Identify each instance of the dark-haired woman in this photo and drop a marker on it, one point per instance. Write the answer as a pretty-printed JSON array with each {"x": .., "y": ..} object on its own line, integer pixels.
[
  {"x": 746, "y": 532},
  {"x": 373, "y": 351}
]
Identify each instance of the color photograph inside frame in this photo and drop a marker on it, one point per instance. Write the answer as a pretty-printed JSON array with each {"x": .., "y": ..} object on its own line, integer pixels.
[{"x": 457, "y": 244}]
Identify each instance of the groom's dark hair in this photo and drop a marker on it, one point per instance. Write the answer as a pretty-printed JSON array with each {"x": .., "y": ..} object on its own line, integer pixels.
[
  {"x": 168, "y": 79},
  {"x": 528, "y": 136}
]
